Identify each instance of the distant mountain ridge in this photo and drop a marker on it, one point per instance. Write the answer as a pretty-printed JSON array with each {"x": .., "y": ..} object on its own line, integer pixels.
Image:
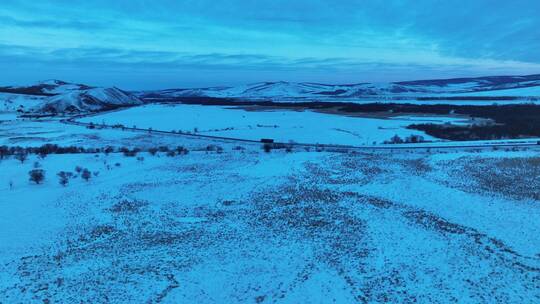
[
  {"x": 57, "y": 96},
  {"x": 305, "y": 90}
]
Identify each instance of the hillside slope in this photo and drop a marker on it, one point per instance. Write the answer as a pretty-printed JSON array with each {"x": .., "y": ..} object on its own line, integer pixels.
[{"x": 55, "y": 96}]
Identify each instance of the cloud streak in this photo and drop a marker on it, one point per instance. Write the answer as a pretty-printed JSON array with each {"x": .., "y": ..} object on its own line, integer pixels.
[{"x": 316, "y": 38}]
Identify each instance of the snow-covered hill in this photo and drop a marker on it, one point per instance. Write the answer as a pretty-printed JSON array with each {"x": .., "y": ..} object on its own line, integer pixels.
[
  {"x": 88, "y": 100},
  {"x": 488, "y": 86},
  {"x": 55, "y": 96},
  {"x": 10, "y": 102}
]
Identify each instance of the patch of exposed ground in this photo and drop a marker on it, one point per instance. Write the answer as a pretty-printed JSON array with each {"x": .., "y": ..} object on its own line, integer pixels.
[
  {"x": 517, "y": 178},
  {"x": 281, "y": 242}
]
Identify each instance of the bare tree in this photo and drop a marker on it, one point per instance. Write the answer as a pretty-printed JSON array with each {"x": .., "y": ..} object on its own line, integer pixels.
[{"x": 37, "y": 175}]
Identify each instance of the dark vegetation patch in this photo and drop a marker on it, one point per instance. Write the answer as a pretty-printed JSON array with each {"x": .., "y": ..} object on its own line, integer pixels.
[
  {"x": 369, "y": 200},
  {"x": 46, "y": 149},
  {"x": 306, "y": 211},
  {"x": 432, "y": 222},
  {"x": 101, "y": 231},
  {"x": 512, "y": 177},
  {"x": 128, "y": 206},
  {"x": 359, "y": 169},
  {"x": 33, "y": 90},
  {"x": 511, "y": 121},
  {"x": 111, "y": 259},
  {"x": 484, "y": 246},
  {"x": 417, "y": 166},
  {"x": 303, "y": 211}
]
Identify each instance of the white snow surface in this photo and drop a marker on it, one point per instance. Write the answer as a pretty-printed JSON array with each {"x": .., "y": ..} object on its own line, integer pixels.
[
  {"x": 254, "y": 227},
  {"x": 238, "y": 225},
  {"x": 280, "y": 125}
]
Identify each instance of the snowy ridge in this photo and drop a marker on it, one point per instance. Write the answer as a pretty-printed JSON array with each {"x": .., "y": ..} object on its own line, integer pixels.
[
  {"x": 56, "y": 96},
  {"x": 94, "y": 99},
  {"x": 482, "y": 86}
]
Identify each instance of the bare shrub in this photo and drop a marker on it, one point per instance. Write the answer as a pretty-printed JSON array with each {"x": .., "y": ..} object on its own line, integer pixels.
[
  {"x": 181, "y": 150},
  {"x": 21, "y": 156},
  {"x": 129, "y": 153},
  {"x": 108, "y": 150},
  {"x": 86, "y": 175},
  {"x": 64, "y": 177},
  {"x": 37, "y": 175}
]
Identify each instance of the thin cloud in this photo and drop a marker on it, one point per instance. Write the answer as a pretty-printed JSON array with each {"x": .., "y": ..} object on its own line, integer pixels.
[{"x": 303, "y": 37}]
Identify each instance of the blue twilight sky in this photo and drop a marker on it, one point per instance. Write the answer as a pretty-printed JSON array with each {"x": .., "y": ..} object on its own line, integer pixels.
[{"x": 136, "y": 44}]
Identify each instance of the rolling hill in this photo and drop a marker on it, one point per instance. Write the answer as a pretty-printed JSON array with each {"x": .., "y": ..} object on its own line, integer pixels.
[
  {"x": 55, "y": 96},
  {"x": 494, "y": 86}
]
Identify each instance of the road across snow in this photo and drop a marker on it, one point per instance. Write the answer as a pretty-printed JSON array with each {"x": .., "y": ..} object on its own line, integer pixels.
[{"x": 280, "y": 125}]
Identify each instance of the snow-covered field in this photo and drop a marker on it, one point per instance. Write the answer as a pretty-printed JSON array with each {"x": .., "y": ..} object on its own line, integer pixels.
[
  {"x": 281, "y": 125},
  {"x": 35, "y": 133},
  {"x": 244, "y": 226},
  {"x": 252, "y": 227}
]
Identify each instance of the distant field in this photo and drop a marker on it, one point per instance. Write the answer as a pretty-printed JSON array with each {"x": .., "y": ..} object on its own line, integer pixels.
[{"x": 282, "y": 125}]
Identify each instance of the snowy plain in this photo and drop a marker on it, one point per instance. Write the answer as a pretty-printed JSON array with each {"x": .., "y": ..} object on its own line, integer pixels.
[
  {"x": 244, "y": 226},
  {"x": 281, "y": 125},
  {"x": 247, "y": 226}
]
